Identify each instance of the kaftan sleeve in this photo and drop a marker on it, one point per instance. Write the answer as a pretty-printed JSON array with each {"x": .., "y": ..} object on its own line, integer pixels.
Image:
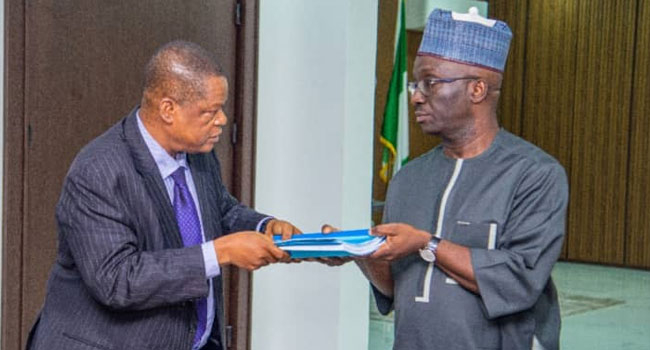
[
  {"x": 511, "y": 277},
  {"x": 384, "y": 303}
]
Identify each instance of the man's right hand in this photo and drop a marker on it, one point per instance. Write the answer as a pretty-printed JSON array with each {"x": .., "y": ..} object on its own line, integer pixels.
[
  {"x": 248, "y": 249},
  {"x": 401, "y": 240}
]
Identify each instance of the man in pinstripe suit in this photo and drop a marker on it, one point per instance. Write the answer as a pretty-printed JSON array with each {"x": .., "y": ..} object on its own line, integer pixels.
[{"x": 125, "y": 276}]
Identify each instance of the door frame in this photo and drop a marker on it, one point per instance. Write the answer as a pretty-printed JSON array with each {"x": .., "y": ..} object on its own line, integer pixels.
[
  {"x": 238, "y": 297},
  {"x": 14, "y": 177},
  {"x": 14, "y": 189}
]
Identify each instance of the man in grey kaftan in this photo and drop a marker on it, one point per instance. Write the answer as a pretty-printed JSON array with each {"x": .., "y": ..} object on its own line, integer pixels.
[
  {"x": 507, "y": 205},
  {"x": 474, "y": 226}
]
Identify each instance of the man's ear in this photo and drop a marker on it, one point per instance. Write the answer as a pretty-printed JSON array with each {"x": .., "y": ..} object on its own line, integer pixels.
[
  {"x": 167, "y": 110},
  {"x": 478, "y": 90}
]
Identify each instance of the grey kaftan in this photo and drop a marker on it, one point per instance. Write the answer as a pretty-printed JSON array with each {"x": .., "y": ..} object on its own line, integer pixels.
[{"x": 508, "y": 205}]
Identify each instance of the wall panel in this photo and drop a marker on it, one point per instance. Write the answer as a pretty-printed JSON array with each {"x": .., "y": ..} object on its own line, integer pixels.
[
  {"x": 638, "y": 218},
  {"x": 512, "y": 92},
  {"x": 605, "y": 42},
  {"x": 549, "y": 80},
  {"x": 549, "y": 77}
]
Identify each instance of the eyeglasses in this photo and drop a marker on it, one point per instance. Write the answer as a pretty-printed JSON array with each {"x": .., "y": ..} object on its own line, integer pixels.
[{"x": 425, "y": 85}]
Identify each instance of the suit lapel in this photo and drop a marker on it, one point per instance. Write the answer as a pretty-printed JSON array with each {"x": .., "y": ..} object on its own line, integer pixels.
[
  {"x": 146, "y": 166},
  {"x": 207, "y": 202},
  {"x": 211, "y": 216}
]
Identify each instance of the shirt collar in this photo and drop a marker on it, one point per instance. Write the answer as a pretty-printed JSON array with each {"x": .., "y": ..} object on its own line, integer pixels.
[{"x": 166, "y": 163}]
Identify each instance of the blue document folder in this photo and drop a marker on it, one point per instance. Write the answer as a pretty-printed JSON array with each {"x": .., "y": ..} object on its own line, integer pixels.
[{"x": 335, "y": 244}]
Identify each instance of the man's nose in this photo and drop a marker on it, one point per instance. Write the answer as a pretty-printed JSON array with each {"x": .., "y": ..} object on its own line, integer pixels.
[
  {"x": 221, "y": 119},
  {"x": 417, "y": 97}
]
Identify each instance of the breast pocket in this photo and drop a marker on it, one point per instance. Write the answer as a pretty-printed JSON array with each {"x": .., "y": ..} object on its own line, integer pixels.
[{"x": 473, "y": 235}]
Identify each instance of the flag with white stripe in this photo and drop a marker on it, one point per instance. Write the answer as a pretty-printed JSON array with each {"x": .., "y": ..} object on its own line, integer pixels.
[{"x": 395, "y": 129}]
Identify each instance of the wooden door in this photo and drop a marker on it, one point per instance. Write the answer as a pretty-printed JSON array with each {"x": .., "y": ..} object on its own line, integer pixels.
[{"x": 74, "y": 69}]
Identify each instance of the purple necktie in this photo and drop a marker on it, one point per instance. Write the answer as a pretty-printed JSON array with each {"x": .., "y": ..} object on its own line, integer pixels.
[{"x": 190, "y": 228}]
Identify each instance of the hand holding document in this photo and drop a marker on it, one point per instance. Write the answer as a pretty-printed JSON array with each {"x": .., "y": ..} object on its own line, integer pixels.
[{"x": 353, "y": 243}]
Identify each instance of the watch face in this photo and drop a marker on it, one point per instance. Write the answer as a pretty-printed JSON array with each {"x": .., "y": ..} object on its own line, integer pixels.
[{"x": 427, "y": 255}]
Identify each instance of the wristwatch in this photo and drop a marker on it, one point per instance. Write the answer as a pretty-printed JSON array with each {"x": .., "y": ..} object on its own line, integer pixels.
[{"x": 428, "y": 253}]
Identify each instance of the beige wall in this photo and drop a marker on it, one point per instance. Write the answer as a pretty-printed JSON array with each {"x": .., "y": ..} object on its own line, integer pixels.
[{"x": 314, "y": 165}]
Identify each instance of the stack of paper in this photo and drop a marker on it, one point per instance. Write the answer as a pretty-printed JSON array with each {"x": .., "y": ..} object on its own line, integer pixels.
[{"x": 335, "y": 244}]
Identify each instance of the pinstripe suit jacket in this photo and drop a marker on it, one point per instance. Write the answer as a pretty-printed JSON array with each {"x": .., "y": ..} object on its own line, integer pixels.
[{"x": 122, "y": 278}]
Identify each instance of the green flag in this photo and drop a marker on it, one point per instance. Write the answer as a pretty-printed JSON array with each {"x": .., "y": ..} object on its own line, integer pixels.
[{"x": 395, "y": 130}]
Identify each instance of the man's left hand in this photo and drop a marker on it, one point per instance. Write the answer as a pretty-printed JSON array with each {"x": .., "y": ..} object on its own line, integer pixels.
[
  {"x": 333, "y": 261},
  {"x": 281, "y": 227},
  {"x": 401, "y": 240}
]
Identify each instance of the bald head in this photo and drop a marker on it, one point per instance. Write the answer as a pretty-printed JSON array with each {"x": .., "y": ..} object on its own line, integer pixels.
[{"x": 178, "y": 70}]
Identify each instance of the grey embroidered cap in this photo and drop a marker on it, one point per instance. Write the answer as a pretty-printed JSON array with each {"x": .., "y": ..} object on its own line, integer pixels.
[{"x": 466, "y": 42}]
